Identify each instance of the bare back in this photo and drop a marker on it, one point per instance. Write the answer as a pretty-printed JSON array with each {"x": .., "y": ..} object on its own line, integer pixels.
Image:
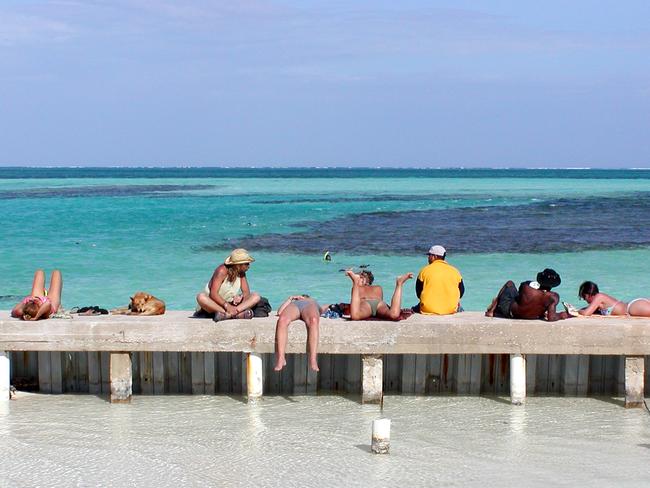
[{"x": 535, "y": 304}]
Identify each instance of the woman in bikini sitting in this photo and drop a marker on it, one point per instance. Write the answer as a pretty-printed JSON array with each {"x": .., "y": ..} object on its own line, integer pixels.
[
  {"x": 40, "y": 304},
  {"x": 368, "y": 301},
  {"x": 298, "y": 307},
  {"x": 603, "y": 304},
  {"x": 227, "y": 294}
]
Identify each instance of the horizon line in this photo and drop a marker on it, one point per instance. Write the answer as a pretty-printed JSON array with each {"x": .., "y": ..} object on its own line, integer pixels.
[{"x": 340, "y": 167}]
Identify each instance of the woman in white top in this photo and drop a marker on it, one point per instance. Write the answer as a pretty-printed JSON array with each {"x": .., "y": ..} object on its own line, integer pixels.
[{"x": 227, "y": 294}]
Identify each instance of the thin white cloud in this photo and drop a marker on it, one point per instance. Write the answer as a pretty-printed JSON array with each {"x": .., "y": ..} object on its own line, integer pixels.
[
  {"x": 18, "y": 28},
  {"x": 202, "y": 11}
]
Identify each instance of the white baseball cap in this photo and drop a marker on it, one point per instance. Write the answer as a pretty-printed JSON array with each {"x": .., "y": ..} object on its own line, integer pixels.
[{"x": 437, "y": 251}]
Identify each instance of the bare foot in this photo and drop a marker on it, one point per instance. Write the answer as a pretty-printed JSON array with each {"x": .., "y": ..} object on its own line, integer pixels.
[
  {"x": 246, "y": 314},
  {"x": 405, "y": 277},
  {"x": 490, "y": 310},
  {"x": 313, "y": 365},
  {"x": 356, "y": 279},
  {"x": 219, "y": 316},
  {"x": 279, "y": 364}
]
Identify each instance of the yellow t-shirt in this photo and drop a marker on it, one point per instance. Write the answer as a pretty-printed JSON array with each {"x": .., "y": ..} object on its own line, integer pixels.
[{"x": 440, "y": 294}]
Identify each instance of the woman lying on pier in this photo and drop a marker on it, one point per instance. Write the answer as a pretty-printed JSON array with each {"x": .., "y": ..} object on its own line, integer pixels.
[
  {"x": 298, "y": 307},
  {"x": 227, "y": 294},
  {"x": 603, "y": 304},
  {"x": 40, "y": 304},
  {"x": 368, "y": 301}
]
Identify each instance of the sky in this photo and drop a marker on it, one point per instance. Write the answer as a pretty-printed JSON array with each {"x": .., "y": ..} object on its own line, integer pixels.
[{"x": 316, "y": 83}]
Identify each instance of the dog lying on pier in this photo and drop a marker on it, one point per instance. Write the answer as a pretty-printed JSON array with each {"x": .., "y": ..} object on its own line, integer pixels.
[{"x": 142, "y": 304}]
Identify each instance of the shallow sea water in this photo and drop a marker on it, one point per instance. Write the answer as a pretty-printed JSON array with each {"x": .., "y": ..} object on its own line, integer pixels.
[
  {"x": 115, "y": 231},
  {"x": 71, "y": 440}
]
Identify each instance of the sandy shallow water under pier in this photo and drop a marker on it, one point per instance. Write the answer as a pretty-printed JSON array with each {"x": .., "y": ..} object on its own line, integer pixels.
[{"x": 82, "y": 440}]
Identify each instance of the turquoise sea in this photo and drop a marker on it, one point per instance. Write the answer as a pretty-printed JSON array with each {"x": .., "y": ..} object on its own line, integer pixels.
[{"x": 114, "y": 231}]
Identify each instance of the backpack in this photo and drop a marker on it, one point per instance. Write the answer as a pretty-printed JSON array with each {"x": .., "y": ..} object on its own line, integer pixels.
[{"x": 262, "y": 308}]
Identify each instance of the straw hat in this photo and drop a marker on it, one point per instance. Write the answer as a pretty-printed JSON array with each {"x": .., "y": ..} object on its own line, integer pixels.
[{"x": 239, "y": 256}]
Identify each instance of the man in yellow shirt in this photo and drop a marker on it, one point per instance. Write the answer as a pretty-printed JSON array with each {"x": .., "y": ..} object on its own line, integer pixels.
[{"x": 439, "y": 285}]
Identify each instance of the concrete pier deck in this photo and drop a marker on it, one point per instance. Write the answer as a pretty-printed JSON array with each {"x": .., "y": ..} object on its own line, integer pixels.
[{"x": 463, "y": 333}]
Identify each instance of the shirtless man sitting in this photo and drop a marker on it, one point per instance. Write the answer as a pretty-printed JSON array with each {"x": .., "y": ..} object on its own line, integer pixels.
[
  {"x": 533, "y": 301},
  {"x": 368, "y": 301}
]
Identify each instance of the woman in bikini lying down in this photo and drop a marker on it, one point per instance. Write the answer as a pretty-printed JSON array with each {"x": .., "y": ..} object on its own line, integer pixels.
[
  {"x": 40, "y": 304},
  {"x": 367, "y": 300},
  {"x": 298, "y": 307},
  {"x": 600, "y": 303}
]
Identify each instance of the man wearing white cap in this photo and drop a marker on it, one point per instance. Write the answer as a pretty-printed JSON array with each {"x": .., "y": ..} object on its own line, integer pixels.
[{"x": 439, "y": 285}]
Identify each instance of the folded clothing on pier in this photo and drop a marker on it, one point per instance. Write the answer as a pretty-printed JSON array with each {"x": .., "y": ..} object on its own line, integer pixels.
[{"x": 91, "y": 310}]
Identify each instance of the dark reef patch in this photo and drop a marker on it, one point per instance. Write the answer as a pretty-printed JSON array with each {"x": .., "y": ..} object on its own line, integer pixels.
[
  {"x": 100, "y": 191},
  {"x": 336, "y": 198},
  {"x": 561, "y": 225}
]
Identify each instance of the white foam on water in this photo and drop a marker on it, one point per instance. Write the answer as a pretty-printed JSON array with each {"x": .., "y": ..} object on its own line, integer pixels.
[{"x": 77, "y": 440}]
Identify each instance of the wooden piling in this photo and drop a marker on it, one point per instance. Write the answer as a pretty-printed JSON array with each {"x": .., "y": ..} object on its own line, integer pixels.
[{"x": 44, "y": 372}]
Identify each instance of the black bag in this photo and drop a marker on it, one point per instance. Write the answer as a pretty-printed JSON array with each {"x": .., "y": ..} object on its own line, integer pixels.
[{"x": 263, "y": 308}]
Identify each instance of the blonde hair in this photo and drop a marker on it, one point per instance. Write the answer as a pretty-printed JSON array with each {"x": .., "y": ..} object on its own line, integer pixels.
[
  {"x": 30, "y": 309},
  {"x": 234, "y": 271}
]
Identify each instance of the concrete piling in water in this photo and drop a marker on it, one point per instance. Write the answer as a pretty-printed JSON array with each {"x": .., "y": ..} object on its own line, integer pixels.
[
  {"x": 380, "y": 443},
  {"x": 372, "y": 378},
  {"x": 517, "y": 379},
  {"x": 254, "y": 377},
  {"x": 120, "y": 377},
  {"x": 634, "y": 381},
  {"x": 5, "y": 380}
]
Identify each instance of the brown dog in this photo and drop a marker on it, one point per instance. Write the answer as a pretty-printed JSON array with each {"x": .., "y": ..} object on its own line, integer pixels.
[{"x": 142, "y": 304}]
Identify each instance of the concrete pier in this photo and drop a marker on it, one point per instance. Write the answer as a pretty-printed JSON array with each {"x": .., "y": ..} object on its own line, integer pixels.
[{"x": 177, "y": 353}]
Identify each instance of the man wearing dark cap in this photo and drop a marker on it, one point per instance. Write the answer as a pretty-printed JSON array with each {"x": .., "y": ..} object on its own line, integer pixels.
[{"x": 534, "y": 299}]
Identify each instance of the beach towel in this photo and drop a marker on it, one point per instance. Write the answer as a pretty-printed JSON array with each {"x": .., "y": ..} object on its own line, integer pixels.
[{"x": 405, "y": 314}]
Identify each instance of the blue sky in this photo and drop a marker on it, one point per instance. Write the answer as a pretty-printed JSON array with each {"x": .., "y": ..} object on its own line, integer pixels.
[{"x": 409, "y": 83}]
